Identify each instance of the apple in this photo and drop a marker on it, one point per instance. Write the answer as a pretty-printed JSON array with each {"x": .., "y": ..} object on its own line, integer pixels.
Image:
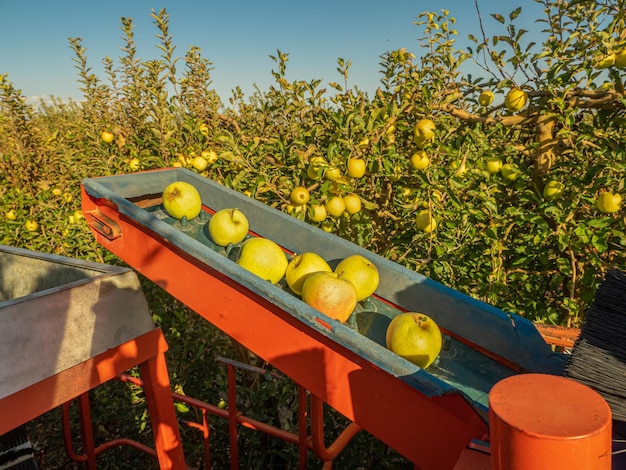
[
  {"x": 331, "y": 295},
  {"x": 335, "y": 206},
  {"x": 134, "y": 164},
  {"x": 10, "y": 215},
  {"x": 31, "y": 225},
  {"x": 301, "y": 266},
  {"x": 485, "y": 98},
  {"x": 420, "y": 160},
  {"x": 184, "y": 161},
  {"x": 107, "y": 136},
  {"x": 424, "y": 132},
  {"x": 510, "y": 171},
  {"x": 494, "y": 165},
  {"x": 182, "y": 199},
  {"x": 515, "y": 100},
  {"x": 425, "y": 221},
  {"x": 228, "y": 226},
  {"x": 352, "y": 203},
  {"x": 605, "y": 61},
  {"x": 553, "y": 190},
  {"x": 299, "y": 196},
  {"x": 620, "y": 59},
  {"x": 332, "y": 173},
  {"x": 293, "y": 209},
  {"x": 318, "y": 212},
  {"x": 356, "y": 167},
  {"x": 415, "y": 337},
  {"x": 263, "y": 257},
  {"x": 361, "y": 272},
  {"x": 316, "y": 167},
  {"x": 328, "y": 226},
  {"x": 609, "y": 202},
  {"x": 210, "y": 156},
  {"x": 199, "y": 163}
]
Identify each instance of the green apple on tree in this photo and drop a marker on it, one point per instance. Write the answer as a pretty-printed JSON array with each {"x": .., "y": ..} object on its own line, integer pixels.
[
  {"x": 609, "y": 202},
  {"x": 424, "y": 132},
  {"x": 352, "y": 203},
  {"x": 134, "y": 164},
  {"x": 420, "y": 160},
  {"x": 605, "y": 61},
  {"x": 415, "y": 337},
  {"x": 107, "y": 136},
  {"x": 425, "y": 221},
  {"x": 210, "y": 156},
  {"x": 300, "y": 266},
  {"x": 31, "y": 225},
  {"x": 317, "y": 212},
  {"x": 361, "y": 272},
  {"x": 317, "y": 165},
  {"x": 330, "y": 294},
  {"x": 299, "y": 196},
  {"x": 494, "y": 165},
  {"x": 335, "y": 206},
  {"x": 228, "y": 226},
  {"x": 485, "y": 98},
  {"x": 263, "y": 257},
  {"x": 332, "y": 173},
  {"x": 553, "y": 190},
  {"x": 182, "y": 199},
  {"x": 620, "y": 59},
  {"x": 356, "y": 167},
  {"x": 515, "y": 100},
  {"x": 328, "y": 226},
  {"x": 199, "y": 163},
  {"x": 510, "y": 171}
]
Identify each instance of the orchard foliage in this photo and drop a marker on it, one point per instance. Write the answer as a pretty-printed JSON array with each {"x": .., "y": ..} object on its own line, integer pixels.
[{"x": 497, "y": 237}]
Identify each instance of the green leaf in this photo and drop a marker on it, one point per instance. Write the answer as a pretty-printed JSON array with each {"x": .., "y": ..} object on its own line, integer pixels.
[
  {"x": 181, "y": 407},
  {"x": 499, "y": 18},
  {"x": 515, "y": 13}
]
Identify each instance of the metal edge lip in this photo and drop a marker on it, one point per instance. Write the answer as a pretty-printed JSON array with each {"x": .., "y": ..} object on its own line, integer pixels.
[
  {"x": 64, "y": 260},
  {"x": 104, "y": 270}
]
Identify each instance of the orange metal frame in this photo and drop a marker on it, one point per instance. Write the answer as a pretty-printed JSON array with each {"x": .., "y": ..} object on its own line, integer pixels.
[
  {"x": 309, "y": 408},
  {"x": 146, "y": 351},
  {"x": 558, "y": 336}
]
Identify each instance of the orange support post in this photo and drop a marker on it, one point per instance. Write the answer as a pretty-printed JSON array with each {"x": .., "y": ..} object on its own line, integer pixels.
[{"x": 541, "y": 421}]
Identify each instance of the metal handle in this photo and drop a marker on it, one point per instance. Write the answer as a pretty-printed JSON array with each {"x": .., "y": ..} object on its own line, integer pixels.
[{"x": 104, "y": 225}]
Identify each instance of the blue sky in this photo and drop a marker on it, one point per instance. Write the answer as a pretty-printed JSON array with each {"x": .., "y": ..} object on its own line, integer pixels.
[{"x": 237, "y": 36}]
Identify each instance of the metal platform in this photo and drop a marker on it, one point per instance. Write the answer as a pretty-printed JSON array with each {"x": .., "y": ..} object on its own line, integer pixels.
[{"x": 67, "y": 326}]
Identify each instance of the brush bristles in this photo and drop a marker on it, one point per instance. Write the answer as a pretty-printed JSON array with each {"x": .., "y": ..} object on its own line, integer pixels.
[{"x": 598, "y": 357}]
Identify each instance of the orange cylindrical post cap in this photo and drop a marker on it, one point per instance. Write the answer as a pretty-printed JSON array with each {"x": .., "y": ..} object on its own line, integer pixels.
[{"x": 540, "y": 421}]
